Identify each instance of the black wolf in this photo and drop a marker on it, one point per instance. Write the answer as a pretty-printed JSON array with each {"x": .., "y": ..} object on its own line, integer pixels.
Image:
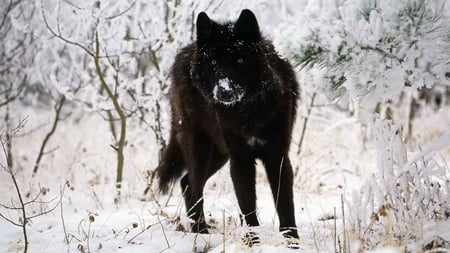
[{"x": 232, "y": 98}]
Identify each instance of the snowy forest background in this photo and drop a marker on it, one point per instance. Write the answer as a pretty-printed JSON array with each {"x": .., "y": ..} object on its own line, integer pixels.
[{"x": 85, "y": 116}]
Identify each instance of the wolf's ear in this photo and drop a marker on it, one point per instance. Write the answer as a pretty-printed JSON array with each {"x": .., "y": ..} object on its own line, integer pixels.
[
  {"x": 247, "y": 26},
  {"x": 204, "y": 28}
]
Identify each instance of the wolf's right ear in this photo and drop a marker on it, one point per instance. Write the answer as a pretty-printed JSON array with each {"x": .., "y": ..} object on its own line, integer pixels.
[
  {"x": 204, "y": 28},
  {"x": 247, "y": 26}
]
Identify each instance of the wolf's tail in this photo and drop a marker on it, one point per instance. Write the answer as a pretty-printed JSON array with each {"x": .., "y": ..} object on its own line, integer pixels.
[{"x": 171, "y": 166}]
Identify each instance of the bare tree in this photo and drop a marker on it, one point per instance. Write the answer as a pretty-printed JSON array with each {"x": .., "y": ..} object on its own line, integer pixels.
[
  {"x": 20, "y": 206},
  {"x": 110, "y": 89}
]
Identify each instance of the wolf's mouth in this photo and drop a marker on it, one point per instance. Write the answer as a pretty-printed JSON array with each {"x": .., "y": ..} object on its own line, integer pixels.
[{"x": 227, "y": 93}]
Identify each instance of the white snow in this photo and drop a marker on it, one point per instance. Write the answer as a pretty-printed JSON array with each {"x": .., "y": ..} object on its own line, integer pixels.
[{"x": 224, "y": 83}]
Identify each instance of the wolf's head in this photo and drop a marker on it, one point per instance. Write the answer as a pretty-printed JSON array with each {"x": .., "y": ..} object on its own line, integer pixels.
[{"x": 228, "y": 66}]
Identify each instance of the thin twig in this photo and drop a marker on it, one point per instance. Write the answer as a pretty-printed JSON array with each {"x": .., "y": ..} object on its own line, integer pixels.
[
  {"x": 66, "y": 237},
  {"x": 146, "y": 228},
  {"x": 164, "y": 232},
  {"x": 59, "y": 36},
  {"x": 314, "y": 238},
  {"x": 305, "y": 124},
  {"x": 122, "y": 12},
  {"x": 10, "y": 221},
  {"x": 343, "y": 223},
  {"x": 58, "y": 108},
  {"x": 335, "y": 232},
  {"x": 12, "y": 4},
  {"x": 224, "y": 230},
  {"x": 11, "y": 97}
]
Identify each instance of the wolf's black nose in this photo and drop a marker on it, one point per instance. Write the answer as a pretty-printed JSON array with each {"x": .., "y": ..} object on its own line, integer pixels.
[
  {"x": 226, "y": 95},
  {"x": 227, "y": 92}
]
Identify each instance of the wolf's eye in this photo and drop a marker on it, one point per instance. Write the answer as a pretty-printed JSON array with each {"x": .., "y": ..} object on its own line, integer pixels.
[
  {"x": 240, "y": 60},
  {"x": 213, "y": 62}
]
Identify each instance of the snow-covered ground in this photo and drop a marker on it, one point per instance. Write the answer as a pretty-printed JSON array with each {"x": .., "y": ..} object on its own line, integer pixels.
[{"x": 338, "y": 156}]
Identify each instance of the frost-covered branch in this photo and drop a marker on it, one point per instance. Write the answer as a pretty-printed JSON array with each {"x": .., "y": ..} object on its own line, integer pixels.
[
  {"x": 61, "y": 37},
  {"x": 371, "y": 51},
  {"x": 14, "y": 51},
  {"x": 11, "y": 93}
]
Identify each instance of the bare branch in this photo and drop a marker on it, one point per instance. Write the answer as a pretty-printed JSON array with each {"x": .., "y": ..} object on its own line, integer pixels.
[
  {"x": 59, "y": 36},
  {"x": 9, "y": 98},
  {"x": 9, "y": 207},
  {"x": 16, "y": 186},
  {"x": 45, "y": 212},
  {"x": 10, "y": 221},
  {"x": 58, "y": 108},
  {"x": 122, "y": 12},
  {"x": 8, "y": 9}
]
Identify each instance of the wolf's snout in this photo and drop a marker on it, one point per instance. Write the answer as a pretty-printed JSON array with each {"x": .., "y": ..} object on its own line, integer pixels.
[
  {"x": 226, "y": 92},
  {"x": 225, "y": 95}
]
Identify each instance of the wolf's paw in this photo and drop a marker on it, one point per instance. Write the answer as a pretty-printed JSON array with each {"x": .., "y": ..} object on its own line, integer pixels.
[
  {"x": 293, "y": 244},
  {"x": 289, "y": 233},
  {"x": 250, "y": 239}
]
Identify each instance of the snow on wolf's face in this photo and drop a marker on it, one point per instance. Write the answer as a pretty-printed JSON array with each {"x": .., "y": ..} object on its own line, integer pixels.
[
  {"x": 227, "y": 64},
  {"x": 226, "y": 92}
]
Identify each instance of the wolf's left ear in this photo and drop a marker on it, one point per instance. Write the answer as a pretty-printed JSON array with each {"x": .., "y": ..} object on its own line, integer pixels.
[
  {"x": 247, "y": 26},
  {"x": 204, "y": 28}
]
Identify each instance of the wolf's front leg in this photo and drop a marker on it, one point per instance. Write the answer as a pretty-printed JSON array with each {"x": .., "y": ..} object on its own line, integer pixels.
[
  {"x": 279, "y": 173},
  {"x": 243, "y": 176}
]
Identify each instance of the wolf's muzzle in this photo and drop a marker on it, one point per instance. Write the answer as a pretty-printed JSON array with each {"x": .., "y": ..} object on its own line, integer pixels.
[{"x": 226, "y": 92}]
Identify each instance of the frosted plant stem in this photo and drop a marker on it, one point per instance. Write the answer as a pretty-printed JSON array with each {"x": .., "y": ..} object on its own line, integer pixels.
[
  {"x": 305, "y": 125},
  {"x": 343, "y": 223},
  {"x": 335, "y": 232},
  {"x": 224, "y": 230},
  {"x": 315, "y": 238},
  {"x": 66, "y": 237}
]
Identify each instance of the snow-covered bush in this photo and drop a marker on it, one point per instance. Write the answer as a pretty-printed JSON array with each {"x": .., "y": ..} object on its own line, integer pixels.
[
  {"x": 404, "y": 196},
  {"x": 371, "y": 50},
  {"x": 133, "y": 36}
]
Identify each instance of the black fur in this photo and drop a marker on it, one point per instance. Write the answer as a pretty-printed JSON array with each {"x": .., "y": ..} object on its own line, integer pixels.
[{"x": 232, "y": 98}]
